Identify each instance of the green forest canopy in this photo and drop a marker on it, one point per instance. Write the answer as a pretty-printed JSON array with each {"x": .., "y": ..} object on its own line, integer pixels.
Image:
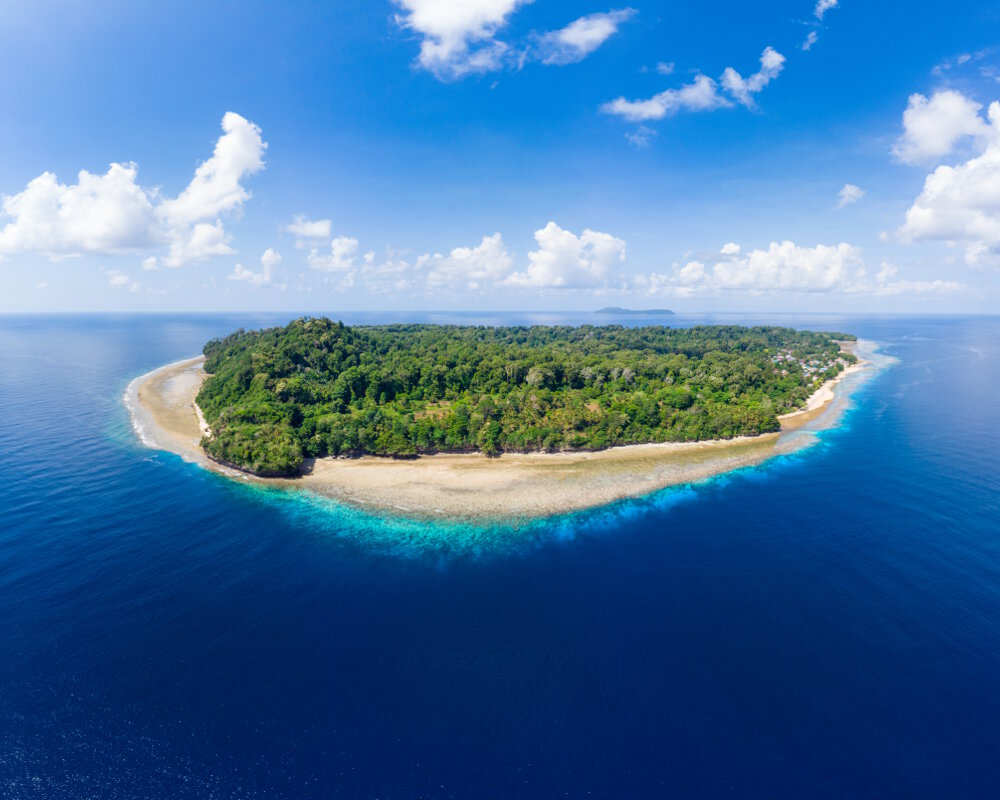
[{"x": 317, "y": 387}]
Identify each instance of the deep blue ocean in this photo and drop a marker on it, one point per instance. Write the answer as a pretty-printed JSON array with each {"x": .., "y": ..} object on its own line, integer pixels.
[{"x": 826, "y": 625}]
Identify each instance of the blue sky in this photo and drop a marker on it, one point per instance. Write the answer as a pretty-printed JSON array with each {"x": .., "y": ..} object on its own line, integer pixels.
[{"x": 497, "y": 154}]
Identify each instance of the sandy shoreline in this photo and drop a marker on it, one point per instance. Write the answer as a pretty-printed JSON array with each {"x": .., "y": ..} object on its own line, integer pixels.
[{"x": 165, "y": 416}]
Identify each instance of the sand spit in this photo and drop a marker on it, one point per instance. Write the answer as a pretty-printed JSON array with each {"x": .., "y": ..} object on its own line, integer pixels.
[{"x": 166, "y": 417}]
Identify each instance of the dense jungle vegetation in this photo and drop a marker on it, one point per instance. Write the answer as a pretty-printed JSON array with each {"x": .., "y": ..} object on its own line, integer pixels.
[{"x": 318, "y": 387}]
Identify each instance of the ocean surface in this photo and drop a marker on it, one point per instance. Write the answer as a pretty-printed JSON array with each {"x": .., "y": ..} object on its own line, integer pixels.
[{"x": 826, "y": 625}]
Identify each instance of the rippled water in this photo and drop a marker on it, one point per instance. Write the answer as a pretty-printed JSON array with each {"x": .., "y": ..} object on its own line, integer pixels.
[{"x": 827, "y": 624}]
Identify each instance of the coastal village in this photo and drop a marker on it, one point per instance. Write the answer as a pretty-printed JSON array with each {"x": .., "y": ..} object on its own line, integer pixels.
[{"x": 818, "y": 369}]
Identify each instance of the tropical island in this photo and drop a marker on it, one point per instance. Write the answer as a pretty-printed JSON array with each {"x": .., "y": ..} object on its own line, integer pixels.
[{"x": 277, "y": 398}]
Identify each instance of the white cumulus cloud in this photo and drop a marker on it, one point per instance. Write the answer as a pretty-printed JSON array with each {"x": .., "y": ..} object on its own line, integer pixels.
[
  {"x": 565, "y": 260},
  {"x": 103, "y": 214},
  {"x": 849, "y": 194},
  {"x": 786, "y": 267},
  {"x": 581, "y": 37},
  {"x": 932, "y": 127},
  {"x": 461, "y": 38},
  {"x": 457, "y": 38},
  {"x": 112, "y": 214},
  {"x": 343, "y": 250},
  {"x": 469, "y": 267},
  {"x": 216, "y": 187},
  {"x": 306, "y": 230},
  {"x": 198, "y": 242},
  {"x": 887, "y": 285},
  {"x": 783, "y": 266},
  {"x": 961, "y": 203},
  {"x": 789, "y": 267}
]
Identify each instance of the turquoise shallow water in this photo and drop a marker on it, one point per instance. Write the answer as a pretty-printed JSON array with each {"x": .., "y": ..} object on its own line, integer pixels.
[{"x": 826, "y": 624}]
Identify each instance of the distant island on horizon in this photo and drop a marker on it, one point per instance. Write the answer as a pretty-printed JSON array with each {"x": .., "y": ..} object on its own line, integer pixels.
[
  {"x": 276, "y": 397},
  {"x": 640, "y": 312}
]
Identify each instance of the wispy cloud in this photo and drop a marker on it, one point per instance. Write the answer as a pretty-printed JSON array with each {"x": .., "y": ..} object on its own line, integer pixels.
[
  {"x": 641, "y": 136},
  {"x": 744, "y": 89},
  {"x": 849, "y": 194},
  {"x": 581, "y": 37},
  {"x": 703, "y": 93},
  {"x": 463, "y": 38},
  {"x": 822, "y": 6},
  {"x": 268, "y": 261}
]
